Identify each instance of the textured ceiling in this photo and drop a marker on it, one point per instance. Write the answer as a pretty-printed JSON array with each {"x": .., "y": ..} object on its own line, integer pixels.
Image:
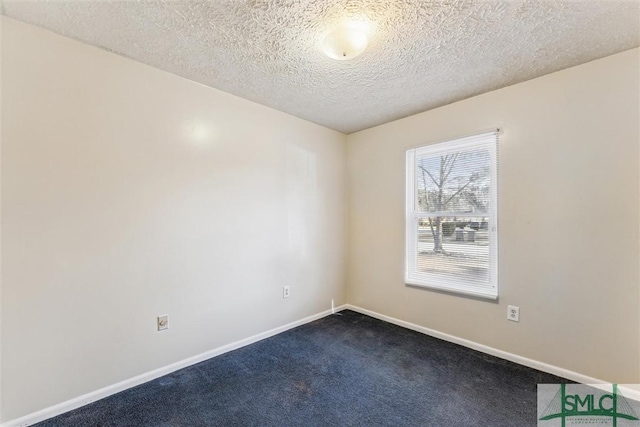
[{"x": 421, "y": 55}]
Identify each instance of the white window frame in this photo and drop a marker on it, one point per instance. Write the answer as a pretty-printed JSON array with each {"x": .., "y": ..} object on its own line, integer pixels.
[{"x": 488, "y": 140}]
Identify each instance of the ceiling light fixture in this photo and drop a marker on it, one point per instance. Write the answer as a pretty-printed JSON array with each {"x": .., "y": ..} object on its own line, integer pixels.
[{"x": 346, "y": 41}]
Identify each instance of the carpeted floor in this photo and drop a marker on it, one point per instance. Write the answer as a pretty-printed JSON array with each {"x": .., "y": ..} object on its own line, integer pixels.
[{"x": 343, "y": 370}]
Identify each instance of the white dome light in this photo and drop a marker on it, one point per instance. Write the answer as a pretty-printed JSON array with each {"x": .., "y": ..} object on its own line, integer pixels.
[{"x": 345, "y": 42}]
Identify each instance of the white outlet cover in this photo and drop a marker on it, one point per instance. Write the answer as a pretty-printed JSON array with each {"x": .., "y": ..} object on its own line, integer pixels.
[
  {"x": 286, "y": 291},
  {"x": 513, "y": 313}
]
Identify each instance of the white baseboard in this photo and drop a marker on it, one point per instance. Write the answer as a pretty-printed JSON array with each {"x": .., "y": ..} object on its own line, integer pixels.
[
  {"x": 630, "y": 393},
  {"x": 85, "y": 399}
]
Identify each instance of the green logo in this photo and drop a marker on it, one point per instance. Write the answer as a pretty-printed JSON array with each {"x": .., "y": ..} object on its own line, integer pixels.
[{"x": 593, "y": 406}]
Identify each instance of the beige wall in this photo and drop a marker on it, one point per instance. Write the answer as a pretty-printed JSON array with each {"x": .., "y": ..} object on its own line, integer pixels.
[
  {"x": 128, "y": 193},
  {"x": 568, "y": 219},
  {"x": 1, "y": 45}
]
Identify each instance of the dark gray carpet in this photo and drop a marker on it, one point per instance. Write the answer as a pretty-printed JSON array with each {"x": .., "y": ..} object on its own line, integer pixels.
[{"x": 342, "y": 370}]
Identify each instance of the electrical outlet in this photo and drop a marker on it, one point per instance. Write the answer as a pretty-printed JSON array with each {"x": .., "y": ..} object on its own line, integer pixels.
[
  {"x": 163, "y": 322},
  {"x": 286, "y": 291},
  {"x": 513, "y": 313}
]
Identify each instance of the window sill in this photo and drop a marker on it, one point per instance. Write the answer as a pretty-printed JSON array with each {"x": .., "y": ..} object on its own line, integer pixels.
[{"x": 489, "y": 293}]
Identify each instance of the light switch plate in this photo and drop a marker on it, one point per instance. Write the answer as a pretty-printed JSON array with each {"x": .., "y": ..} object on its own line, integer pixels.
[{"x": 163, "y": 322}]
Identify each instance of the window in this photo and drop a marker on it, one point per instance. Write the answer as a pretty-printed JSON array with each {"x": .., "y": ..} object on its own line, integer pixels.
[{"x": 452, "y": 216}]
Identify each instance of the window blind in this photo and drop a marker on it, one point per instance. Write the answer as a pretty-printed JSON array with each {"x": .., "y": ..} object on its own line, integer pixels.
[{"x": 451, "y": 215}]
